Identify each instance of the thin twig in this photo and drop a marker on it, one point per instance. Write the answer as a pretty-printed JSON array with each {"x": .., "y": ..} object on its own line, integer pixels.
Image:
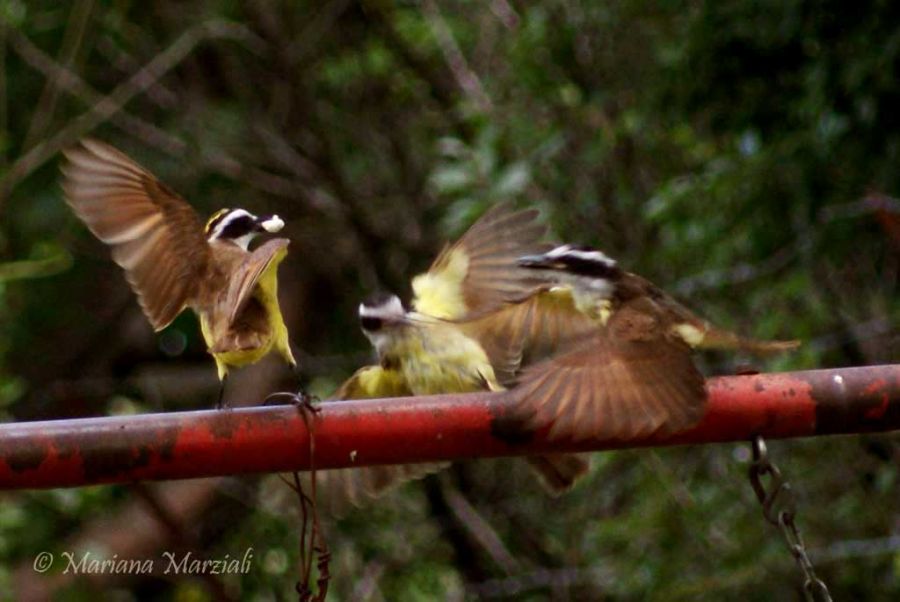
[
  {"x": 736, "y": 274},
  {"x": 504, "y": 11},
  {"x": 480, "y": 530},
  {"x": 854, "y": 332},
  {"x": 68, "y": 81},
  {"x": 465, "y": 77},
  {"x": 120, "y": 59},
  {"x": 4, "y": 106},
  {"x": 318, "y": 26},
  {"x": 289, "y": 158},
  {"x": 872, "y": 202},
  {"x": 111, "y": 104},
  {"x": 73, "y": 36},
  {"x": 856, "y": 548},
  {"x": 518, "y": 585},
  {"x": 444, "y": 93},
  {"x": 367, "y": 584},
  {"x": 255, "y": 177},
  {"x": 179, "y": 532}
]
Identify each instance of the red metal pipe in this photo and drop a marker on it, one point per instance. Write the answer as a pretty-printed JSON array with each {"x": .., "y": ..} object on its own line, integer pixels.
[{"x": 69, "y": 453}]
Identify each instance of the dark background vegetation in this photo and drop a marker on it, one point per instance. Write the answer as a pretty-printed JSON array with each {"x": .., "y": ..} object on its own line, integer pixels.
[{"x": 740, "y": 154}]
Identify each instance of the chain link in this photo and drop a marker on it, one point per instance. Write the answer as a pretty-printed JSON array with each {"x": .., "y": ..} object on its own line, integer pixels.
[{"x": 779, "y": 508}]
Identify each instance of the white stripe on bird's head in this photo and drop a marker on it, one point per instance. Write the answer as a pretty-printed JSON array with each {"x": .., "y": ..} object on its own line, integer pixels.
[
  {"x": 588, "y": 272},
  {"x": 240, "y": 226},
  {"x": 575, "y": 260},
  {"x": 581, "y": 252}
]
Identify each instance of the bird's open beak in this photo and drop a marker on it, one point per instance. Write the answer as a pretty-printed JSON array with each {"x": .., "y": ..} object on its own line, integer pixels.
[{"x": 269, "y": 223}]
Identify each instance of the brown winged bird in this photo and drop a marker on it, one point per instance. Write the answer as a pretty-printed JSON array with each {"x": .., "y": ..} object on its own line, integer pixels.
[
  {"x": 172, "y": 261},
  {"x": 435, "y": 348},
  {"x": 618, "y": 351}
]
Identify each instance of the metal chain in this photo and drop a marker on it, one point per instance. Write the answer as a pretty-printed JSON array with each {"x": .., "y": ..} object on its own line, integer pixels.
[{"x": 779, "y": 508}]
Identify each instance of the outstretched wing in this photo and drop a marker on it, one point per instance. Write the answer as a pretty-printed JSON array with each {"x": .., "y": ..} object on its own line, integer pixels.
[
  {"x": 525, "y": 333},
  {"x": 478, "y": 273},
  {"x": 154, "y": 234},
  {"x": 629, "y": 379},
  {"x": 254, "y": 266},
  {"x": 343, "y": 489}
]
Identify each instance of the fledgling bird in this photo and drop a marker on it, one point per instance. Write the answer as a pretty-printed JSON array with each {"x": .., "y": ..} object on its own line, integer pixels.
[
  {"x": 618, "y": 351},
  {"x": 172, "y": 261},
  {"x": 430, "y": 350}
]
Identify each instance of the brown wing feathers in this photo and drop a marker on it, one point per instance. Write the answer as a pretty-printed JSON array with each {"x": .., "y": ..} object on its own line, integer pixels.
[
  {"x": 611, "y": 386},
  {"x": 525, "y": 333},
  {"x": 154, "y": 234},
  {"x": 252, "y": 267},
  {"x": 492, "y": 245},
  {"x": 627, "y": 380}
]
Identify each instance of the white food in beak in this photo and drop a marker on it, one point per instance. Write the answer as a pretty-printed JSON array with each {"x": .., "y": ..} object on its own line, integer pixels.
[{"x": 273, "y": 224}]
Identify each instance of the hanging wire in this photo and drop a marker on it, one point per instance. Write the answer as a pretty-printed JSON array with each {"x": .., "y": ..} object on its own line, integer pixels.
[{"x": 315, "y": 547}]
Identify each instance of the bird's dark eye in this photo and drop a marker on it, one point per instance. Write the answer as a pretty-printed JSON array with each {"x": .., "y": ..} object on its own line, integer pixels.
[{"x": 370, "y": 323}]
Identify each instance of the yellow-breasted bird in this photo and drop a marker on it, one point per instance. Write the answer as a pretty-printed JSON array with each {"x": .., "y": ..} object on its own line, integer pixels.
[
  {"x": 172, "y": 261},
  {"x": 618, "y": 351},
  {"x": 431, "y": 350}
]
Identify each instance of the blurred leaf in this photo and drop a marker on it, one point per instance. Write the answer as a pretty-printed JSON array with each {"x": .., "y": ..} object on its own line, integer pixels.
[{"x": 512, "y": 180}]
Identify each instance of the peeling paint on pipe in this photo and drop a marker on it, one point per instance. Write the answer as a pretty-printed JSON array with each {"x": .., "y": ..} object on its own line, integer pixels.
[{"x": 180, "y": 445}]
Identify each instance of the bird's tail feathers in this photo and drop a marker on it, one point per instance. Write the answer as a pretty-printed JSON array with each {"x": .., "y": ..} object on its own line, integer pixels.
[{"x": 723, "y": 339}]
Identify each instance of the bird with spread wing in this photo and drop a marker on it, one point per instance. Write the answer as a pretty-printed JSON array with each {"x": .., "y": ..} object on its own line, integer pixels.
[
  {"x": 602, "y": 353},
  {"x": 172, "y": 261},
  {"x": 431, "y": 350}
]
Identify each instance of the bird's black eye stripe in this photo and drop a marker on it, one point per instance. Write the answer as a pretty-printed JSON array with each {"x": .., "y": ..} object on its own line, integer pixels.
[
  {"x": 238, "y": 226},
  {"x": 370, "y": 323},
  {"x": 589, "y": 267}
]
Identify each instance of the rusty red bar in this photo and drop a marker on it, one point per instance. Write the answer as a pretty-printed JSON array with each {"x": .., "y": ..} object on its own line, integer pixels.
[{"x": 71, "y": 453}]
